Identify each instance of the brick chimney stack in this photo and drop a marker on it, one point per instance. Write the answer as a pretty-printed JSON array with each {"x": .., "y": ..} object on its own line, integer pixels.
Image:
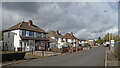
[
  {"x": 57, "y": 32},
  {"x": 30, "y": 22},
  {"x": 71, "y": 33}
]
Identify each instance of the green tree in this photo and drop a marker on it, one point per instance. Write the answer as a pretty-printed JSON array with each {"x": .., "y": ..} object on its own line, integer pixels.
[
  {"x": 100, "y": 41},
  {"x": 111, "y": 36},
  {"x": 0, "y": 35},
  {"x": 106, "y": 38}
]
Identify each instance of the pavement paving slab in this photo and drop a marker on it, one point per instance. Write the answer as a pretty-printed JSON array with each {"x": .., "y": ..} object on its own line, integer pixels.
[{"x": 111, "y": 59}]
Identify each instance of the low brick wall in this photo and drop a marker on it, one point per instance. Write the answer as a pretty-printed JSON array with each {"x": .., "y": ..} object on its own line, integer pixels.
[
  {"x": 43, "y": 53},
  {"x": 57, "y": 50}
]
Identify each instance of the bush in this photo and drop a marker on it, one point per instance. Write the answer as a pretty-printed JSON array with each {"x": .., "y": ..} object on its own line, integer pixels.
[{"x": 10, "y": 55}]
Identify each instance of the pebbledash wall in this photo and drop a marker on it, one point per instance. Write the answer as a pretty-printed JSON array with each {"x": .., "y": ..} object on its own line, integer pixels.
[
  {"x": 60, "y": 42},
  {"x": 11, "y": 40}
]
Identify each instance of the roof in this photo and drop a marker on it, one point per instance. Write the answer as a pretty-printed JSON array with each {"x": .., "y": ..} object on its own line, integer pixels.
[
  {"x": 34, "y": 38},
  {"x": 82, "y": 40},
  {"x": 54, "y": 34},
  {"x": 52, "y": 40},
  {"x": 25, "y": 26},
  {"x": 69, "y": 36}
]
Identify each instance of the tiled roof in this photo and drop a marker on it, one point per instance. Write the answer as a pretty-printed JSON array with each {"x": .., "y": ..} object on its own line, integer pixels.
[
  {"x": 34, "y": 38},
  {"x": 54, "y": 34},
  {"x": 69, "y": 36},
  {"x": 25, "y": 26}
]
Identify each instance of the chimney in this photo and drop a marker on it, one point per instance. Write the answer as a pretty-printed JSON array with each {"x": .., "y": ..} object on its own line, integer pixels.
[
  {"x": 30, "y": 22},
  {"x": 57, "y": 32},
  {"x": 71, "y": 33}
]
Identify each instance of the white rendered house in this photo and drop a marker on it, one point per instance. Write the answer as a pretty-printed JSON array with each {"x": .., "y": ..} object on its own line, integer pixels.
[
  {"x": 57, "y": 38},
  {"x": 24, "y": 36},
  {"x": 71, "y": 40}
]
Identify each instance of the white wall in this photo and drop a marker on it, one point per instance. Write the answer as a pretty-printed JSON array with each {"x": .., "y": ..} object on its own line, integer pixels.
[
  {"x": 69, "y": 40},
  {"x": 16, "y": 39},
  {"x": 13, "y": 40},
  {"x": 8, "y": 41},
  {"x": 60, "y": 42}
]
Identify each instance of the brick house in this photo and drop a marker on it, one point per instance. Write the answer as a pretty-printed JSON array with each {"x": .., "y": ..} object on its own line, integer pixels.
[{"x": 25, "y": 36}]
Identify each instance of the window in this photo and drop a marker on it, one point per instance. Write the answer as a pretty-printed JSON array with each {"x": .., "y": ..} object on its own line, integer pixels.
[
  {"x": 56, "y": 38},
  {"x": 62, "y": 40},
  {"x": 31, "y": 33},
  {"x": 44, "y": 36},
  {"x": 8, "y": 34},
  {"x": 39, "y": 34},
  {"x": 23, "y": 33},
  {"x": 66, "y": 40}
]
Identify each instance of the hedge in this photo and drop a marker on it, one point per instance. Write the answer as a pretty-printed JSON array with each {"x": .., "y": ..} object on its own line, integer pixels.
[{"x": 10, "y": 56}]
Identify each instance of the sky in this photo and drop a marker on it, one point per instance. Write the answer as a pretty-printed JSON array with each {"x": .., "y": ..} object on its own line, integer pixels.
[{"x": 84, "y": 19}]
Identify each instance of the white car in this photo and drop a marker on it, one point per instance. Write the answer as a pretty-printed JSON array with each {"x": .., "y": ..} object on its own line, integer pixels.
[{"x": 104, "y": 44}]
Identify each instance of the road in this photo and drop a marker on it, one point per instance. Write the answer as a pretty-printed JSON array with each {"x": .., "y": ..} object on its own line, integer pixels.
[{"x": 92, "y": 57}]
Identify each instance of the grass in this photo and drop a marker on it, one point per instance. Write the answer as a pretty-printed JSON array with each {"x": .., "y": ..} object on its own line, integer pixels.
[{"x": 8, "y": 52}]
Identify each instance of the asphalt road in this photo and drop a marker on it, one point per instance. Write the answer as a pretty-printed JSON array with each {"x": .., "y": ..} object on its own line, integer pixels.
[{"x": 92, "y": 57}]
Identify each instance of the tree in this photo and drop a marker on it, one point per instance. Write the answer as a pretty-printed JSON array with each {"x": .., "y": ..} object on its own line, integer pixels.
[
  {"x": 111, "y": 36},
  {"x": 100, "y": 41},
  {"x": 0, "y": 35},
  {"x": 106, "y": 38}
]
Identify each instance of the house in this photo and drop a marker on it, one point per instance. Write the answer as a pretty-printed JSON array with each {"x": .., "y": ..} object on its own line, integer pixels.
[
  {"x": 82, "y": 41},
  {"x": 71, "y": 40},
  {"x": 57, "y": 40},
  {"x": 91, "y": 42},
  {"x": 25, "y": 36},
  {"x": 1, "y": 42}
]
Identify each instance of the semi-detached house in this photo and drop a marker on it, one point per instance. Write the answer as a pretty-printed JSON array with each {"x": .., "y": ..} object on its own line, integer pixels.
[
  {"x": 71, "y": 40},
  {"x": 56, "y": 38},
  {"x": 25, "y": 36}
]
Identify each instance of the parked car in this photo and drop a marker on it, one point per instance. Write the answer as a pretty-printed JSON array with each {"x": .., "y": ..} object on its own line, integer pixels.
[
  {"x": 65, "y": 49},
  {"x": 104, "y": 44}
]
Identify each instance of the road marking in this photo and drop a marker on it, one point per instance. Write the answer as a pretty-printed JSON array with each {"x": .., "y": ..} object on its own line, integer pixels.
[{"x": 106, "y": 59}]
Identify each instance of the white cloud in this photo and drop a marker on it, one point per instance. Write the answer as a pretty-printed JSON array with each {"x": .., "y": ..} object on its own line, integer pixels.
[
  {"x": 82, "y": 18},
  {"x": 113, "y": 30}
]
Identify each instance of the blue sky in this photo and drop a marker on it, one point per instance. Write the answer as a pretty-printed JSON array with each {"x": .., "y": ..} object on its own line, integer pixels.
[{"x": 84, "y": 19}]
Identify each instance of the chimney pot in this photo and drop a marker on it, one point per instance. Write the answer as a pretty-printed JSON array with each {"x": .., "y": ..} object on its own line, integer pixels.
[
  {"x": 30, "y": 22},
  {"x": 57, "y": 32},
  {"x": 71, "y": 33}
]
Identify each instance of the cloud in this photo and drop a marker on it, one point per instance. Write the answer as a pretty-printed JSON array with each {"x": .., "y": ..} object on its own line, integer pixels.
[{"x": 84, "y": 19}]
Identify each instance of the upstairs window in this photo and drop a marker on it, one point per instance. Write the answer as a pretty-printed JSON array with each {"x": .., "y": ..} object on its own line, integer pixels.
[
  {"x": 66, "y": 40},
  {"x": 56, "y": 38},
  {"x": 31, "y": 34},
  {"x": 44, "y": 35},
  {"x": 39, "y": 34},
  {"x": 23, "y": 33},
  {"x": 62, "y": 40},
  {"x": 8, "y": 34}
]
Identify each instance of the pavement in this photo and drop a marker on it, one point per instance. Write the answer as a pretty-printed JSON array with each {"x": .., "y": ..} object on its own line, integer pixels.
[
  {"x": 92, "y": 57},
  {"x": 111, "y": 59}
]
